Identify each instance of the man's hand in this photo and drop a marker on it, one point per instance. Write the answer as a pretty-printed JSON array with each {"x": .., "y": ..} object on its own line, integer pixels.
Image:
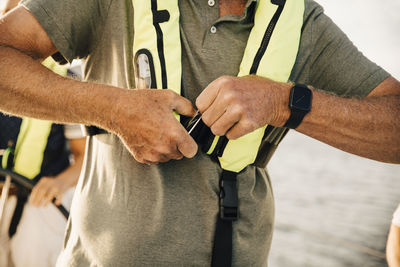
[
  {"x": 144, "y": 120},
  {"x": 235, "y": 106}
]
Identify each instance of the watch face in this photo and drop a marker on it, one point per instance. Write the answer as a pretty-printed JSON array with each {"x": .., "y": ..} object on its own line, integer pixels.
[{"x": 300, "y": 98}]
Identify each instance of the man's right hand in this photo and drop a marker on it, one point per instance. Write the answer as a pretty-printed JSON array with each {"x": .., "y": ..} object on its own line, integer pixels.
[{"x": 144, "y": 121}]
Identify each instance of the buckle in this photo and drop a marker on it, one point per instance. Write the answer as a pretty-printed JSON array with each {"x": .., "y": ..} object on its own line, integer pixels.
[
  {"x": 200, "y": 132},
  {"x": 228, "y": 199}
]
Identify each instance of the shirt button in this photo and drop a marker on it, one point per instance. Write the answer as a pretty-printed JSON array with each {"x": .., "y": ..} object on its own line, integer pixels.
[
  {"x": 211, "y": 2},
  {"x": 213, "y": 29}
]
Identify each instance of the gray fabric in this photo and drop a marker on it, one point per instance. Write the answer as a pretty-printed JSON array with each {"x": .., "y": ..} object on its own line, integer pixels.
[{"x": 128, "y": 214}]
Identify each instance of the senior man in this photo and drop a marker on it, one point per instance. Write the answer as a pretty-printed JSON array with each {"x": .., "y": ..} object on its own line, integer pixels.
[{"x": 149, "y": 196}]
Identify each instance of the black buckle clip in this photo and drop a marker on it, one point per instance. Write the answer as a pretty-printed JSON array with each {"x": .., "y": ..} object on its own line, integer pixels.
[{"x": 228, "y": 200}]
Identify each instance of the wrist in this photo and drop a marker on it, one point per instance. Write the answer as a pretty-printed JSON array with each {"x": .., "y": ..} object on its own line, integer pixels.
[
  {"x": 283, "y": 111},
  {"x": 300, "y": 102},
  {"x": 105, "y": 105}
]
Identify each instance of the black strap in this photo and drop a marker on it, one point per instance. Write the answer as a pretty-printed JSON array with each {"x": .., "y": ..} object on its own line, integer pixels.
[
  {"x": 295, "y": 118},
  {"x": 92, "y": 130},
  {"x": 21, "y": 200},
  {"x": 228, "y": 213},
  {"x": 160, "y": 16}
]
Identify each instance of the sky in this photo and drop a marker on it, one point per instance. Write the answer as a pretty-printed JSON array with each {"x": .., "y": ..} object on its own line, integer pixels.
[{"x": 371, "y": 25}]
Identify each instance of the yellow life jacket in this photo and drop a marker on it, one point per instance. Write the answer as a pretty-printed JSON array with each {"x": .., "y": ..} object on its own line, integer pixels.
[
  {"x": 270, "y": 52},
  {"x": 157, "y": 35}
]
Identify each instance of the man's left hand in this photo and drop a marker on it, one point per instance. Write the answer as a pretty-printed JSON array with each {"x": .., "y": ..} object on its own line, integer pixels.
[{"x": 236, "y": 106}]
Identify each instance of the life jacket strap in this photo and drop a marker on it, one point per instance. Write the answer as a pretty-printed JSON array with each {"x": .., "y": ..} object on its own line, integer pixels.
[{"x": 228, "y": 213}]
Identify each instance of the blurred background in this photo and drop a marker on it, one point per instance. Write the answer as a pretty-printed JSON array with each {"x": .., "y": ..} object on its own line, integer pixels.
[{"x": 334, "y": 209}]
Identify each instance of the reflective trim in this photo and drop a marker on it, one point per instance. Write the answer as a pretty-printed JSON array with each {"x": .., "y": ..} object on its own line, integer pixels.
[
  {"x": 213, "y": 145},
  {"x": 53, "y": 66}
]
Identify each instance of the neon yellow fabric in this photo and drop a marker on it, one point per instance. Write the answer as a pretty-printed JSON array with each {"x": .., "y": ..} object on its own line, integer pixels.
[
  {"x": 33, "y": 135},
  {"x": 276, "y": 64},
  {"x": 52, "y": 65},
  {"x": 31, "y": 143},
  {"x": 146, "y": 38},
  {"x": 145, "y": 34},
  {"x": 172, "y": 51},
  {"x": 5, "y": 158},
  {"x": 213, "y": 145}
]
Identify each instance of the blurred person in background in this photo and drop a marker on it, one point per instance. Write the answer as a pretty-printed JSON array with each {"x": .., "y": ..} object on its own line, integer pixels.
[
  {"x": 8, "y": 5},
  {"x": 34, "y": 230},
  {"x": 148, "y": 197},
  {"x": 393, "y": 243}
]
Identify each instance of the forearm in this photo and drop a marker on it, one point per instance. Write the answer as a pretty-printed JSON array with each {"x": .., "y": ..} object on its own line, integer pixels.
[
  {"x": 393, "y": 247},
  {"x": 368, "y": 127},
  {"x": 29, "y": 89}
]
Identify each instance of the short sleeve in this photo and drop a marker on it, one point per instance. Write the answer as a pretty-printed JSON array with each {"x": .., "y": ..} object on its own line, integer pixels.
[
  {"x": 72, "y": 25},
  {"x": 396, "y": 217},
  {"x": 335, "y": 63},
  {"x": 73, "y": 131}
]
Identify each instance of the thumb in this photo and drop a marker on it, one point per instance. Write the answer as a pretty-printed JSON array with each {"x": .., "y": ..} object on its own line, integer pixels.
[
  {"x": 187, "y": 146},
  {"x": 183, "y": 106}
]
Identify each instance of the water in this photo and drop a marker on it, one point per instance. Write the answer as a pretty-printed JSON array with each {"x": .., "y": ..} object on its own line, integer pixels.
[{"x": 332, "y": 208}]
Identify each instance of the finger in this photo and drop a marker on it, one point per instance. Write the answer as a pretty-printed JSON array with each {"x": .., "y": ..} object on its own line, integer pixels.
[
  {"x": 183, "y": 106},
  {"x": 47, "y": 200},
  {"x": 38, "y": 194},
  {"x": 215, "y": 111},
  {"x": 49, "y": 197},
  {"x": 161, "y": 154},
  {"x": 58, "y": 200},
  {"x": 225, "y": 123},
  {"x": 239, "y": 129},
  {"x": 41, "y": 196},
  {"x": 176, "y": 155},
  {"x": 32, "y": 197},
  {"x": 187, "y": 146},
  {"x": 207, "y": 97}
]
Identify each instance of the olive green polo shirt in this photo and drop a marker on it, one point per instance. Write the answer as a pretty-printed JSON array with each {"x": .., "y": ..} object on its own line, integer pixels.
[{"x": 128, "y": 214}]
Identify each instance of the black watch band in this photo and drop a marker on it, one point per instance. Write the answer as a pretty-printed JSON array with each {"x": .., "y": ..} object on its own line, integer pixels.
[{"x": 299, "y": 104}]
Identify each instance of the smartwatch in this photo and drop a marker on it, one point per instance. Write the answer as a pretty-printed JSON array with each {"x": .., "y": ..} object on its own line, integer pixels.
[{"x": 299, "y": 104}]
